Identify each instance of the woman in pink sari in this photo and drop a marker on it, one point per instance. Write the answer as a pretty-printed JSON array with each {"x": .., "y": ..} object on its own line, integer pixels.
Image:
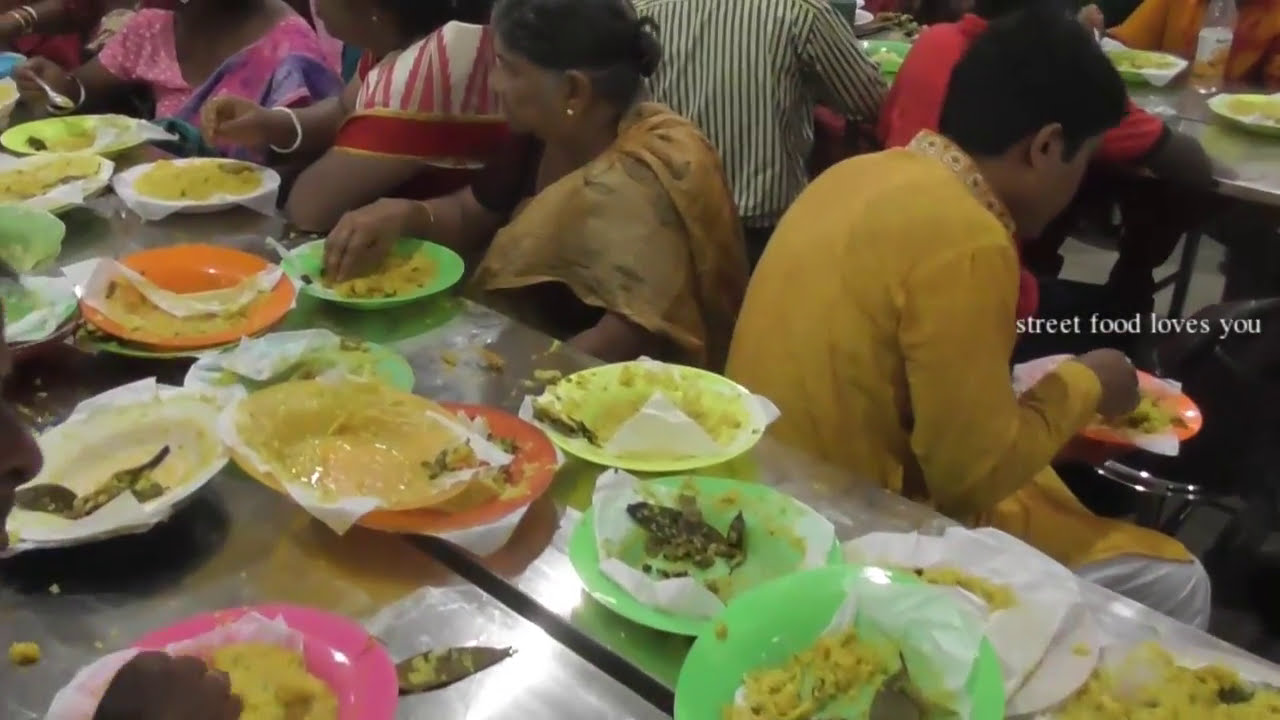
[
  {"x": 417, "y": 120},
  {"x": 260, "y": 50}
]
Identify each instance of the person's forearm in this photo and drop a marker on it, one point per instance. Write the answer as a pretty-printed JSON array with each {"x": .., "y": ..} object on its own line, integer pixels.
[
  {"x": 968, "y": 473},
  {"x": 319, "y": 122},
  {"x": 51, "y": 18},
  {"x": 613, "y": 339}
]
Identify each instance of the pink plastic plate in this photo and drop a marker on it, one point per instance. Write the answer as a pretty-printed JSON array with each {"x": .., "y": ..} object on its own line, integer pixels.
[{"x": 337, "y": 650}]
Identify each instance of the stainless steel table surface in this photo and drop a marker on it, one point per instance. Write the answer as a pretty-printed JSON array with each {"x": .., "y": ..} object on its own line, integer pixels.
[
  {"x": 1251, "y": 160},
  {"x": 242, "y": 543},
  {"x": 239, "y": 543}
]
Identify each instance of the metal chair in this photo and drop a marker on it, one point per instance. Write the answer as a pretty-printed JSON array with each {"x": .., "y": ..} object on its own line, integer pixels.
[{"x": 1233, "y": 464}]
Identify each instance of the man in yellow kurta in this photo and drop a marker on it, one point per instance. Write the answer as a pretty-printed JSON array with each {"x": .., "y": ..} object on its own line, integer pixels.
[{"x": 881, "y": 317}]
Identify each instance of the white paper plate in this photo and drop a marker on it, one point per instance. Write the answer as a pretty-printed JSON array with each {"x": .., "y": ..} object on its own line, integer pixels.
[
  {"x": 862, "y": 17},
  {"x": 263, "y": 199}
]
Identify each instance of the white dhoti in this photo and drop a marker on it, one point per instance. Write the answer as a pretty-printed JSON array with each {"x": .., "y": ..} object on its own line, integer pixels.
[{"x": 1180, "y": 590}]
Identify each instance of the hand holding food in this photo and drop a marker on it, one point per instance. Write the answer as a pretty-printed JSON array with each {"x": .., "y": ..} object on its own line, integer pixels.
[
  {"x": 237, "y": 121},
  {"x": 1091, "y": 17},
  {"x": 1118, "y": 378},
  {"x": 158, "y": 686},
  {"x": 362, "y": 239},
  {"x": 40, "y": 69}
]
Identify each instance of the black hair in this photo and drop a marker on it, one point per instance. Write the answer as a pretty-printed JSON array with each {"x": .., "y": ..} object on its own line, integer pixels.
[
  {"x": 601, "y": 38},
  {"x": 1026, "y": 71},
  {"x": 993, "y": 9},
  {"x": 423, "y": 17}
]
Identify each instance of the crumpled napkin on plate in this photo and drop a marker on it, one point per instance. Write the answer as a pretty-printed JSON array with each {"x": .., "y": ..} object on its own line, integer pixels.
[
  {"x": 93, "y": 277},
  {"x": 1027, "y": 374},
  {"x": 55, "y": 300},
  {"x": 687, "y": 596},
  {"x": 260, "y": 359},
  {"x": 937, "y": 637},
  {"x": 1158, "y": 78},
  {"x": 78, "y": 700},
  {"x": 1036, "y": 639}
]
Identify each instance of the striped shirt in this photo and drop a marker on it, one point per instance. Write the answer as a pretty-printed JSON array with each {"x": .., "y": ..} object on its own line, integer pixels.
[{"x": 749, "y": 73}]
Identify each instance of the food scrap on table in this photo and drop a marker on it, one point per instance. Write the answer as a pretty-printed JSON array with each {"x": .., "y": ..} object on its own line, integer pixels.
[
  {"x": 435, "y": 669},
  {"x": 23, "y": 654},
  {"x": 175, "y": 181},
  {"x": 273, "y": 683},
  {"x": 1150, "y": 685}
]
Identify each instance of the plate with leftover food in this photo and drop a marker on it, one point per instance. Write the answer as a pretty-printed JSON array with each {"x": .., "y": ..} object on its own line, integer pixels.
[
  {"x": 670, "y": 553},
  {"x": 1030, "y": 606},
  {"x": 8, "y": 99},
  {"x": 414, "y": 270},
  {"x": 1164, "y": 418},
  {"x": 1149, "y": 680},
  {"x": 256, "y": 363},
  {"x": 1143, "y": 66},
  {"x": 35, "y": 308},
  {"x": 197, "y": 185},
  {"x": 344, "y": 448},
  {"x": 118, "y": 465},
  {"x": 97, "y": 134},
  {"x": 183, "y": 297},
  {"x": 650, "y": 416},
  {"x": 283, "y": 662},
  {"x": 842, "y": 643},
  {"x": 29, "y": 238},
  {"x": 1259, "y": 113},
  {"x": 54, "y": 182},
  {"x": 886, "y": 54}
]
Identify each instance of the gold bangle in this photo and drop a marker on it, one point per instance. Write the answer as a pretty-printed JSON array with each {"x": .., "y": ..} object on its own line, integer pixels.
[
  {"x": 24, "y": 25},
  {"x": 31, "y": 13}
]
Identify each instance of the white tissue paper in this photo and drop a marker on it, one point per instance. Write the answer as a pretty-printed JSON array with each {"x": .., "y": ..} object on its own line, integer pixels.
[
  {"x": 1047, "y": 642},
  {"x": 939, "y": 639},
  {"x": 66, "y": 194},
  {"x": 661, "y": 430},
  {"x": 80, "y": 698},
  {"x": 1158, "y": 78},
  {"x": 55, "y": 300},
  {"x": 124, "y": 515},
  {"x": 341, "y": 514},
  {"x": 93, "y": 277},
  {"x": 262, "y": 200},
  {"x": 687, "y": 596},
  {"x": 260, "y": 359},
  {"x": 1027, "y": 374}
]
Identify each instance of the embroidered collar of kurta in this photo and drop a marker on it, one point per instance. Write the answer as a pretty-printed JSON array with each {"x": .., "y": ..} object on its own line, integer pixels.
[{"x": 933, "y": 145}]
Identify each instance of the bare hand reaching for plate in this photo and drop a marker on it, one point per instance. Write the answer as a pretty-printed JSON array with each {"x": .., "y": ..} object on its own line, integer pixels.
[
  {"x": 1119, "y": 380},
  {"x": 361, "y": 240},
  {"x": 158, "y": 686}
]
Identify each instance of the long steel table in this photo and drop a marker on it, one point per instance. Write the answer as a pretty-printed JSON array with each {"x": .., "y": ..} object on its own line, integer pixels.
[{"x": 241, "y": 543}]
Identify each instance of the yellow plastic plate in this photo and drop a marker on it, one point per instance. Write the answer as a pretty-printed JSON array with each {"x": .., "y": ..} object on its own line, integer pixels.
[{"x": 598, "y": 386}]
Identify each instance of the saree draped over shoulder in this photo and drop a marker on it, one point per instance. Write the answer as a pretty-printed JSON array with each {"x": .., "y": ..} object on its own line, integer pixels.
[{"x": 648, "y": 231}]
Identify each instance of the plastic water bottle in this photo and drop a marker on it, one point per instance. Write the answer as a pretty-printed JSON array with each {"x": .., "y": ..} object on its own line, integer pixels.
[{"x": 1214, "y": 46}]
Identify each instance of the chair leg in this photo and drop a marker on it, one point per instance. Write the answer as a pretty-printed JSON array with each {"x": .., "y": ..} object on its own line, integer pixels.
[{"x": 1186, "y": 269}]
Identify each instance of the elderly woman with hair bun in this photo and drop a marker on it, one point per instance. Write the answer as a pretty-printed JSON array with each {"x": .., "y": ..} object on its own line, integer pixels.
[{"x": 605, "y": 221}]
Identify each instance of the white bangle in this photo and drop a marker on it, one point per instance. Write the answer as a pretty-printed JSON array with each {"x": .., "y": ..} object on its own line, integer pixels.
[
  {"x": 297, "y": 130},
  {"x": 78, "y": 104}
]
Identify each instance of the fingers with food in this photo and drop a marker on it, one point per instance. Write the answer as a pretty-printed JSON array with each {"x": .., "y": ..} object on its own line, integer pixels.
[
  {"x": 360, "y": 242},
  {"x": 234, "y": 121},
  {"x": 158, "y": 686}
]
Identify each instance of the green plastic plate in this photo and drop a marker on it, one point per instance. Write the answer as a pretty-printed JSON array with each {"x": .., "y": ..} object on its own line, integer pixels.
[
  {"x": 894, "y": 52},
  {"x": 17, "y": 139},
  {"x": 308, "y": 260},
  {"x": 767, "y": 625},
  {"x": 29, "y": 238},
  {"x": 762, "y": 508}
]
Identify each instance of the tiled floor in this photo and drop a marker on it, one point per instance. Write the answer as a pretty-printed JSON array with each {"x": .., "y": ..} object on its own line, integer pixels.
[{"x": 1236, "y": 617}]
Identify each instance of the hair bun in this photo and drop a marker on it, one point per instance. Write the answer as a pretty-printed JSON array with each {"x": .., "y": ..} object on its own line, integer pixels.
[{"x": 648, "y": 48}]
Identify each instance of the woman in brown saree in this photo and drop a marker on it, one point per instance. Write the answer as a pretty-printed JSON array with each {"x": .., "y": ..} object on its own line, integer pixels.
[{"x": 606, "y": 222}]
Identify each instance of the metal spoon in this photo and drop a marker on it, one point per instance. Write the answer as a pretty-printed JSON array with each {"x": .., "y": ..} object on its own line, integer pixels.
[{"x": 57, "y": 100}]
